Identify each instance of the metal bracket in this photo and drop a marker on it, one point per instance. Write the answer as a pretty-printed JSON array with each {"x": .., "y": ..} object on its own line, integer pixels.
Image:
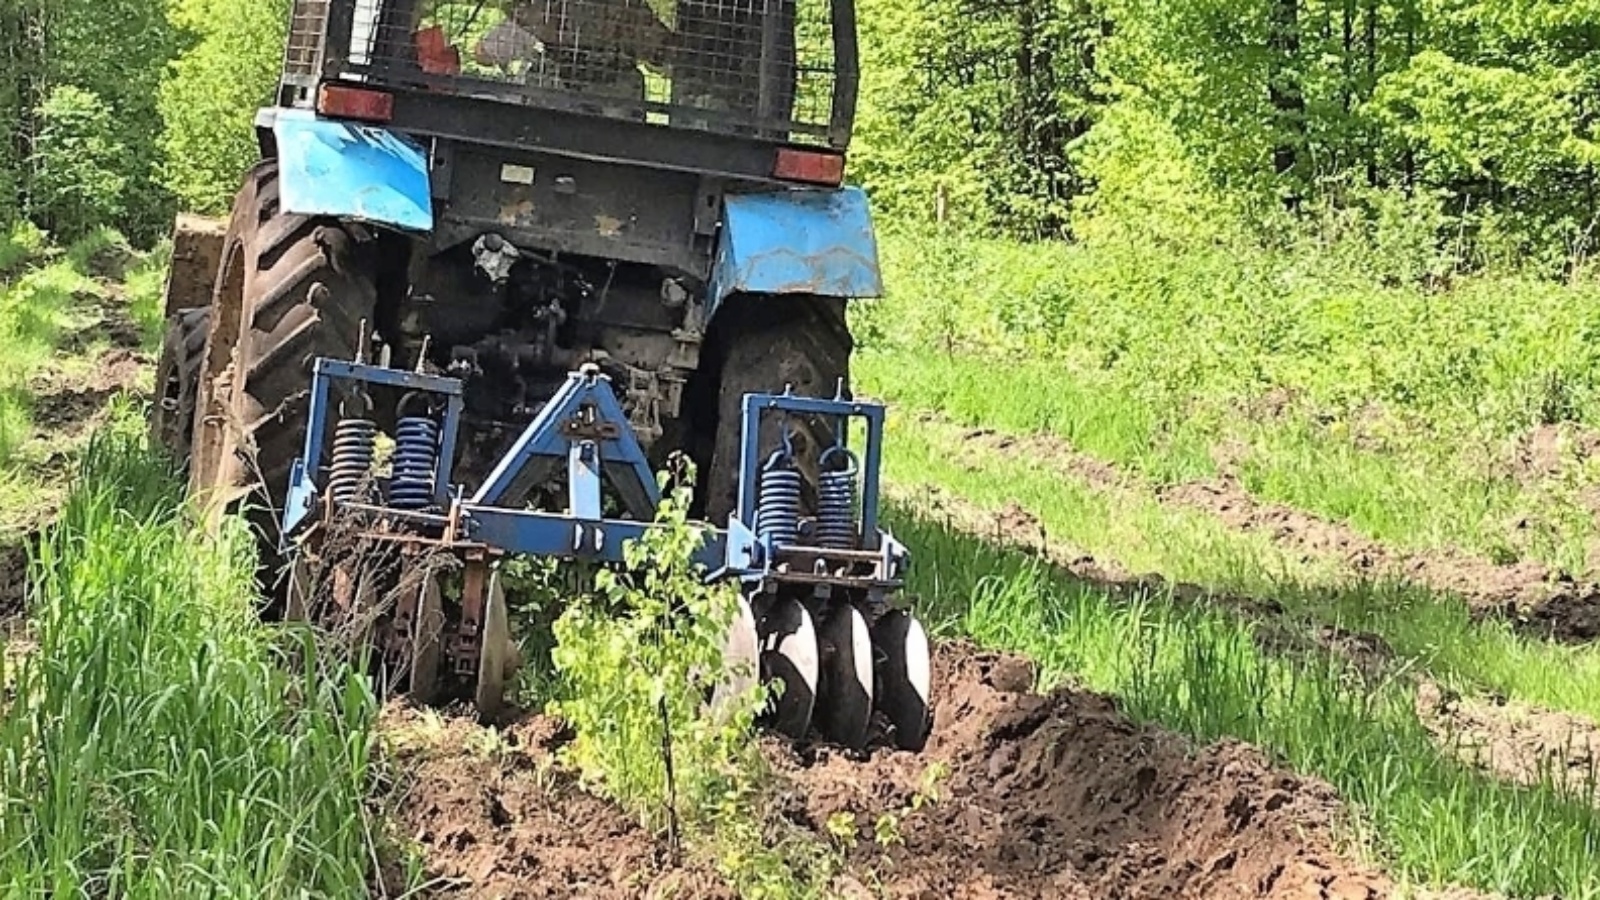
[
  {"x": 584, "y": 426},
  {"x": 584, "y": 408}
]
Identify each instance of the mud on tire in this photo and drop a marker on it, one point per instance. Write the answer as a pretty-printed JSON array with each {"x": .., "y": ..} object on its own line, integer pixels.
[{"x": 291, "y": 288}]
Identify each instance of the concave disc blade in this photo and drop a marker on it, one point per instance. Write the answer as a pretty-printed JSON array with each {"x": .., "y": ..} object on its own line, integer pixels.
[
  {"x": 793, "y": 661},
  {"x": 298, "y": 591},
  {"x": 425, "y": 641},
  {"x": 741, "y": 659},
  {"x": 844, "y": 703},
  {"x": 494, "y": 651},
  {"x": 905, "y": 682}
]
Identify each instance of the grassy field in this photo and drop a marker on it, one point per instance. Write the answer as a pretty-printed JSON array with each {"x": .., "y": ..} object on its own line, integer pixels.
[
  {"x": 1405, "y": 412},
  {"x": 1397, "y": 405}
]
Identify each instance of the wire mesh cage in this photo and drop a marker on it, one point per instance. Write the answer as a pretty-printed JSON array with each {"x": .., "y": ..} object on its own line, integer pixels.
[{"x": 765, "y": 67}]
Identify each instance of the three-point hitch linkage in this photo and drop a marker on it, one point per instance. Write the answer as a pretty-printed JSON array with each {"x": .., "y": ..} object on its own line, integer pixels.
[{"x": 815, "y": 610}]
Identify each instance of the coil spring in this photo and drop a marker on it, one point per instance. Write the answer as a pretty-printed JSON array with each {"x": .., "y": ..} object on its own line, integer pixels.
[
  {"x": 354, "y": 447},
  {"x": 836, "y": 502},
  {"x": 416, "y": 452},
  {"x": 778, "y": 512}
]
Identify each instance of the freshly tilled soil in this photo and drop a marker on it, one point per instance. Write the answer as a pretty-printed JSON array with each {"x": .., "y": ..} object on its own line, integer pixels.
[
  {"x": 1023, "y": 795},
  {"x": 497, "y": 823},
  {"x": 1517, "y": 742},
  {"x": 1062, "y": 796}
]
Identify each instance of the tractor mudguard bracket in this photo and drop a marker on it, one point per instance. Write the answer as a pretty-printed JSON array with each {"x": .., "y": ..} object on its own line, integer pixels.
[{"x": 348, "y": 170}]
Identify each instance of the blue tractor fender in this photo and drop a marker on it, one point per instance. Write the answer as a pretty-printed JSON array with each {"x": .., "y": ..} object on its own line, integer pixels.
[
  {"x": 348, "y": 170},
  {"x": 816, "y": 242}
]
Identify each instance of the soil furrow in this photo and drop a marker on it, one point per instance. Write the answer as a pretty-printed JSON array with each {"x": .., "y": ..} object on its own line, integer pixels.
[
  {"x": 1278, "y": 630},
  {"x": 1517, "y": 742},
  {"x": 1534, "y": 598}
]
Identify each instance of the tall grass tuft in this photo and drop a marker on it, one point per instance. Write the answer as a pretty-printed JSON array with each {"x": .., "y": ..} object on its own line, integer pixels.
[{"x": 157, "y": 742}]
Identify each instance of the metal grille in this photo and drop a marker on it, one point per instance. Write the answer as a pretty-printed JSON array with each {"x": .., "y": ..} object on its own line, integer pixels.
[
  {"x": 736, "y": 66},
  {"x": 302, "y": 59}
]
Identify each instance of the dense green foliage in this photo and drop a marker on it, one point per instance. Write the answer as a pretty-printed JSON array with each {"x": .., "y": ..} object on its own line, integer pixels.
[
  {"x": 209, "y": 100},
  {"x": 1009, "y": 116},
  {"x": 87, "y": 71},
  {"x": 1483, "y": 107}
]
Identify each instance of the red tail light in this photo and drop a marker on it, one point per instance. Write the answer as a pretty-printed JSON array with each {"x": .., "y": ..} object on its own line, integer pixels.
[
  {"x": 355, "y": 103},
  {"x": 809, "y": 166}
]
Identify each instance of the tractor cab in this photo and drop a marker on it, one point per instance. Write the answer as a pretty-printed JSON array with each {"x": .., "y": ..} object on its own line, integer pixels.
[{"x": 778, "y": 73}]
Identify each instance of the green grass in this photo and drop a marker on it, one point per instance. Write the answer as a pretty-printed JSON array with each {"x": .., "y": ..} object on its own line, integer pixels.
[
  {"x": 155, "y": 747},
  {"x": 145, "y": 283},
  {"x": 1428, "y": 632},
  {"x": 51, "y": 298},
  {"x": 1329, "y": 384},
  {"x": 36, "y": 301},
  {"x": 1200, "y": 671}
]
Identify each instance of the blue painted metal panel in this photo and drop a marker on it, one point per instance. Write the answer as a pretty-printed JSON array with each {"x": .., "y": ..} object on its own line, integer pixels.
[
  {"x": 328, "y": 167},
  {"x": 562, "y": 537},
  {"x": 797, "y": 242}
]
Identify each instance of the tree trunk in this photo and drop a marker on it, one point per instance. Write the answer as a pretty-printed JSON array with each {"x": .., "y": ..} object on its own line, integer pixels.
[{"x": 1287, "y": 95}]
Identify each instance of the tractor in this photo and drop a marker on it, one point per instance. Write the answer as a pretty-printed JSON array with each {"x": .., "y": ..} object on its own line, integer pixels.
[{"x": 498, "y": 264}]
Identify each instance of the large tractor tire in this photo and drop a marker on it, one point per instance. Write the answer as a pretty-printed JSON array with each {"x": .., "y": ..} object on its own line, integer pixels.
[
  {"x": 291, "y": 288},
  {"x": 764, "y": 344}
]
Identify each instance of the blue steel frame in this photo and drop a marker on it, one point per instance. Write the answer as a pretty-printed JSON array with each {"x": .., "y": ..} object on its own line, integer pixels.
[
  {"x": 840, "y": 411},
  {"x": 584, "y": 425},
  {"x": 306, "y": 473},
  {"x": 583, "y": 395}
]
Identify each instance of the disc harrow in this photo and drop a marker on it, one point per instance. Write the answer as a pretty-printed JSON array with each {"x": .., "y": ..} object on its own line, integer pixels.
[{"x": 816, "y": 611}]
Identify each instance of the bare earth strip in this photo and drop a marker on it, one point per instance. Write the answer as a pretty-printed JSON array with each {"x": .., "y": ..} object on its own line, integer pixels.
[
  {"x": 1019, "y": 795},
  {"x": 1518, "y": 742}
]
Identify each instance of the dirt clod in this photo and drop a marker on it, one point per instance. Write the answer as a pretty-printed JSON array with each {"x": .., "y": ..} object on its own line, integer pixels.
[
  {"x": 63, "y": 405},
  {"x": 1515, "y": 741},
  {"x": 13, "y": 581}
]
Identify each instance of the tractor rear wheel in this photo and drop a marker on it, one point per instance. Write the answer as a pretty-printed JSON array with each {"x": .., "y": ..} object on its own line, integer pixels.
[
  {"x": 764, "y": 344},
  {"x": 291, "y": 288}
]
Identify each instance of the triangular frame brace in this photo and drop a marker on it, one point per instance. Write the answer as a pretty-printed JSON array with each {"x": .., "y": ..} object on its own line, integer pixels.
[{"x": 582, "y": 420}]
